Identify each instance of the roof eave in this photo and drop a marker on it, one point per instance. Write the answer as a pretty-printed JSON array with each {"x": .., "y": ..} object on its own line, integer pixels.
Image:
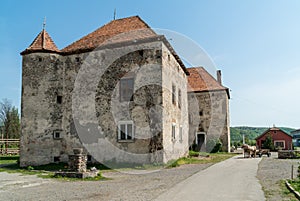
[
  {"x": 29, "y": 51},
  {"x": 207, "y": 90}
]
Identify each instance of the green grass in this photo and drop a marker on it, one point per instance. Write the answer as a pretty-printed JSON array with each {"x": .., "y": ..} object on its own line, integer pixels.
[
  {"x": 43, "y": 171},
  {"x": 8, "y": 159},
  {"x": 285, "y": 192},
  {"x": 207, "y": 158},
  {"x": 295, "y": 184}
]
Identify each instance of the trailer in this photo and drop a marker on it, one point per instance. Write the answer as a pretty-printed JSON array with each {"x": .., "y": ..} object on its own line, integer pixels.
[{"x": 261, "y": 152}]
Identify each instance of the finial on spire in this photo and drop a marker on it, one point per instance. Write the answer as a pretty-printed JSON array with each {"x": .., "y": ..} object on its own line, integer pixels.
[
  {"x": 44, "y": 23},
  {"x": 115, "y": 14}
]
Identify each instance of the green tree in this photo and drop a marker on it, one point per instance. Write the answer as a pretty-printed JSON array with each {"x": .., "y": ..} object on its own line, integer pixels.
[
  {"x": 214, "y": 145},
  {"x": 9, "y": 119},
  {"x": 268, "y": 143}
]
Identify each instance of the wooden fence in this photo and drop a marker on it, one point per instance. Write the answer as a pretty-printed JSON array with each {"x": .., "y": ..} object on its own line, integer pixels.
[{"x": 9, "y": 146}]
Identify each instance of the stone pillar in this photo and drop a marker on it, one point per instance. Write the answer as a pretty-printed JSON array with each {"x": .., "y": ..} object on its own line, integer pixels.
[{"x": 77, "y": 162}]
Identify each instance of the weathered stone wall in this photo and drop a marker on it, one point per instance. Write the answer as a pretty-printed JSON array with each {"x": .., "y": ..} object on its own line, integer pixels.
[
  {"x": 144, "y": 66},
  {"x": 209, "y": 113},
  {"x": 173, "y": 75},
  {"x": 42, "y": 81},
  {"x": 88, "y": 84}
]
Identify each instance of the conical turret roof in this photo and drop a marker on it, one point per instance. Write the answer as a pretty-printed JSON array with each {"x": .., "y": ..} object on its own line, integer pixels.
[{"x": 42, "y": 43}]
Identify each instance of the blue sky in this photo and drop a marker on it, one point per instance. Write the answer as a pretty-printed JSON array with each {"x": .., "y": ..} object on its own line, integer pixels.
[{"x": 255, "y": 43}]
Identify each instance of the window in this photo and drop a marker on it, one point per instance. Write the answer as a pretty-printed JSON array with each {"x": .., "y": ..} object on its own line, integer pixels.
[
  {"x": 59, "y": 99},
  {"x": 141, "y": 53},
  {"x": 173, "y": 131},
  {"x": 180, "y": 133},
  {"x": 89, "y": 158},
  {"x": 56, "y": 159},
  {"x": 191, "y": 118},
  {"x": 280, "y": 143},
  {"x": 126, "y": 130},
  {"x": 174, "y": 94},
  {"x": 56, "y": 135},
  {"x": 126, "y": 89},
  {"x": 179, "y": 98}
]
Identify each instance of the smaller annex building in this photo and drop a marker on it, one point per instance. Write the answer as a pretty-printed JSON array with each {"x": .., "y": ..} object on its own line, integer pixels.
[
  {"x": 280, "y": 138},
  {"x": 296, "y": 137}
]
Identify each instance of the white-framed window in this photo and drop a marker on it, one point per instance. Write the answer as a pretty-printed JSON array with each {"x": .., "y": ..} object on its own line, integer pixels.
[
  {"x": 57, "y": 134},
  {"x": 180, "y": 133},
  {"x": 279, "y": 143},
  {"x": 125, "y": 130},
  {"x": 173, "y": 131}
]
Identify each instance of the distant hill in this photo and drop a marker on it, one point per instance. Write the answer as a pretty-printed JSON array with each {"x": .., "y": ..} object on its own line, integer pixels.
[{"x": 236, "y": 133}]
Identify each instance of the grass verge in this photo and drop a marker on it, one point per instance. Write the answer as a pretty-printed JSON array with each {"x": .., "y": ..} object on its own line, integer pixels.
[
  {"x": 203, "y": 158},
  {"x": 295, "y": 184},
  {"x": 10, "y": 165},
  {"x": 8, "y": 159},
  {"x": 286, "y": 193}
]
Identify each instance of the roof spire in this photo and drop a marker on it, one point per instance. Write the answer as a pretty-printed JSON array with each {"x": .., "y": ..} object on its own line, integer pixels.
[
  {"x": 115, "y": 14},
  {"x": 44, "y": 23}
]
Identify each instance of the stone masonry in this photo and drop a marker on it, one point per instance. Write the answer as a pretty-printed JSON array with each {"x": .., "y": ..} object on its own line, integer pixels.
[{"x": 74, "y": 98}]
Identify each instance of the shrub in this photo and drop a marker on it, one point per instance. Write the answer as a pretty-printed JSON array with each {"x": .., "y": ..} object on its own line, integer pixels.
[
  {"x": 214, "y": 145},
  {"x": 193, "y": 153},
  {"x": 172, "y": 163}
]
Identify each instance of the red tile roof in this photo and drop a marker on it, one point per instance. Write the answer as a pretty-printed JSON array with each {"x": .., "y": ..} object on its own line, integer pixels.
[
  {"x": 42, "y": 43},
  {"x": 121, "y": 32},
  {"x": 125, "y": 29},
  {"x": 200, "y": 80}
]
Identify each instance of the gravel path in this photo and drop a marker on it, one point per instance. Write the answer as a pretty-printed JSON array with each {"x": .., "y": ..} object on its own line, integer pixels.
[
  {"x": 270, "y": 173},
  {"x": 121, "y": 187}
]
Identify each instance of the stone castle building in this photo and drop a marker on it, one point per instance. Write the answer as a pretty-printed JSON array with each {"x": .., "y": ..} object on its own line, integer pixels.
[{"x": 122, "y": 93}]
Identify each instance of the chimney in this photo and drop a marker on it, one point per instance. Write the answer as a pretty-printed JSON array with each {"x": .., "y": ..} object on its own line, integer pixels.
[{"x": 219, "y": 77}]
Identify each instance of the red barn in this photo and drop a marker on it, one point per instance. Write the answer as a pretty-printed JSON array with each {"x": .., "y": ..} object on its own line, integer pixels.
[{"x": 280, "y": 138}]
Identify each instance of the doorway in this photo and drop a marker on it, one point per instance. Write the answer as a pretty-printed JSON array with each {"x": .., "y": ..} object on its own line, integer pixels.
[{"x": 201, "y": 141}]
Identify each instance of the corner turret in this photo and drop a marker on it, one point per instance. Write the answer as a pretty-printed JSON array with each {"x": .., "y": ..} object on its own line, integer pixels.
[{"x": 42, "y": 43}]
